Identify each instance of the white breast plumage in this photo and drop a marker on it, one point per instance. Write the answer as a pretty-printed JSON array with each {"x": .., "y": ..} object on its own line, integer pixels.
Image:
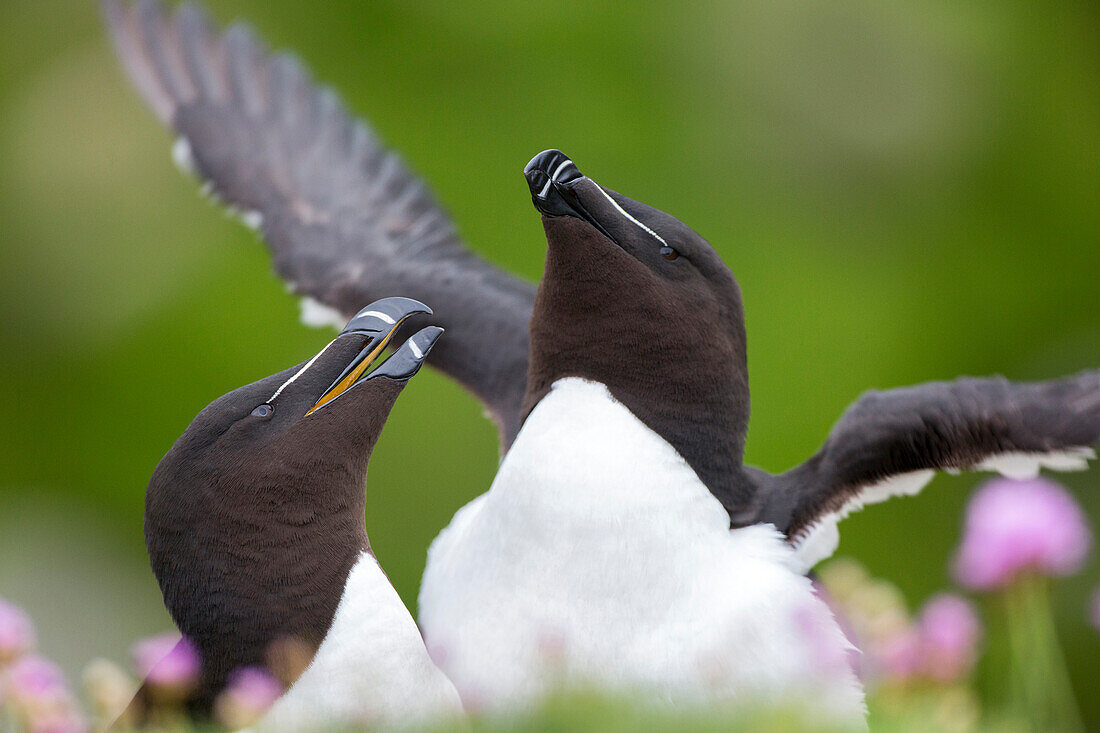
[
  {"x": 371, "y": 669},
  {"x": 599, "y": 555}
]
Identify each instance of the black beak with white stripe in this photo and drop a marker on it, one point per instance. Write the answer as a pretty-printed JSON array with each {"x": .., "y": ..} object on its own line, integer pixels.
[
  {"x": 377, "y": 323},
  {"x": 552, "y": 177},
  {"x": 559, "y": 189}
]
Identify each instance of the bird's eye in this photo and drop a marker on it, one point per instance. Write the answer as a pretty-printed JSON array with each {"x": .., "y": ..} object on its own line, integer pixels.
[
  {"x": 669, "y": 253},
  {"x": 263, "y": 410}
]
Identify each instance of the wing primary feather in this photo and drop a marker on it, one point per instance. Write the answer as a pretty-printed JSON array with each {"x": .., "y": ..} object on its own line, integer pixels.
[
  {"x": 247, "y": 73},
  {"x": 204, "y": 56},
  {"x": 123, "y": 24},
  {"x": 163, "y": 50}
]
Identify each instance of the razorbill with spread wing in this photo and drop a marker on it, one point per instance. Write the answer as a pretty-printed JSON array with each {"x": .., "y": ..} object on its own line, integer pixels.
[
  {"x": 346, "y": 221},
  {"x": 254, "y": 521},
  {"x": 622, "y": 524}
]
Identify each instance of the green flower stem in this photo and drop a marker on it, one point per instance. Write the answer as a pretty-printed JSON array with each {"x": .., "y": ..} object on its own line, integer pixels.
[
  {"x": 1040, "y": 688},
  {"x": 1021, "y": 705}
]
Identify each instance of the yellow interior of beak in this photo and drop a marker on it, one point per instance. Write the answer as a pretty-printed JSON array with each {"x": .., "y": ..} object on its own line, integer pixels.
[{"x": 337, "y": 389}]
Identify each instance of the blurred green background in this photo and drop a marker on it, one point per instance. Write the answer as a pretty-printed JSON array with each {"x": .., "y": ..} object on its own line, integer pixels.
[{"x": 906, "y": 191}]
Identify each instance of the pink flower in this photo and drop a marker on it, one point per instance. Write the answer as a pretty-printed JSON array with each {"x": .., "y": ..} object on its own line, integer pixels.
[
  {"x": 250, "y": 692},
  {"x": 16, "y": 632},
  {"x": 900, "y": 655},
  {"x": 167, "y": 660},
  {"x": 255, "y": 686},
  {"x": 949, "y": 632},
  {"x": 1018, "y": 526},
  {"x": 35, "y": 678}
]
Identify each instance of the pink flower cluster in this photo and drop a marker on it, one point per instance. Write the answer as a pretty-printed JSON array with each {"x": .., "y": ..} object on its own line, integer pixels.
[
  {"x": 168, "y": 662},
  {"x": 16, "y": 632},
  {"x": 33, "y": 691},
  {"x": 250, "y": 692},
  {"x": 942, "y": 645},
  {"x": 1014, "y": 530},
  {"x": 1017, "y": 527},
  {"x": 171, "y": 666}
]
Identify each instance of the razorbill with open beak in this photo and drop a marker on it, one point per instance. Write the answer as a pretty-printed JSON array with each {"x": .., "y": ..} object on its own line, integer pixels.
[
  {"x": 346, "y": 222},
  {"x": 254, "y": 522}
]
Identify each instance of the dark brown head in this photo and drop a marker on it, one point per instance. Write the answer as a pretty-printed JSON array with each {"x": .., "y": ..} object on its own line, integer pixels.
[
  {"x": 255, "y": 517},
  {"x": 633, "y": 298}
]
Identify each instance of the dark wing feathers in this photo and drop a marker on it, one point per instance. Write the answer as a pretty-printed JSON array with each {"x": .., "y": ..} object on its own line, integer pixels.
[
  {"x": 346, "y": 221},
  {"x": 962, "y": 425}
]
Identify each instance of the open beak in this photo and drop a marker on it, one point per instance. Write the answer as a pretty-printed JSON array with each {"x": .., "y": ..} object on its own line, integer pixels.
[{"x": 377, "y": 323}]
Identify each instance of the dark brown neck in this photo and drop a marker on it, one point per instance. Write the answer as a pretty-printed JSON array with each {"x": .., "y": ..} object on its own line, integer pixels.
[{"x": 244, "y": 577}]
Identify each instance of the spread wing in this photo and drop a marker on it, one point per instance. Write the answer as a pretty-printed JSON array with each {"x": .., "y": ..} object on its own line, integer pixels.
[
  {"x": 346, "y": 221},
  {"x": 892, "y": 443}
]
